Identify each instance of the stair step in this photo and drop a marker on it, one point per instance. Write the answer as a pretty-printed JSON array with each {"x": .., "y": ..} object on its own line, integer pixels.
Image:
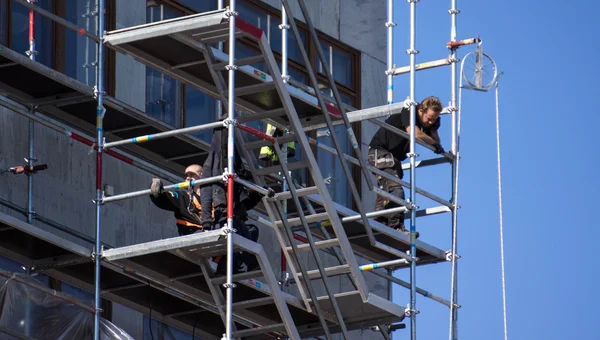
[
  {"x": 329, "y": 271},
  {"x": 262, "y": 115},
  {"x": 310, "y": 219},
  {"x": 300, "y": 192},
  {"x": 278, "y": 327},
  {"x": 277, "y": 168},
  {"x": 268, "y": 300},
  {"x": 319, "y": 244}
]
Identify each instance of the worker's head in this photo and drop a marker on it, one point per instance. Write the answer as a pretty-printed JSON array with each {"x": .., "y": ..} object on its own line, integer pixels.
[
  {"x": 429, "y": 111},
  {"x": 193, "y": 172}
]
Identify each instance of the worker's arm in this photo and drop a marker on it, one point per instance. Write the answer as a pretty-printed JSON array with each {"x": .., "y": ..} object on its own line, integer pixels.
[
  {"x": 167, "y": 200},
  {"x": 435, "y": 136},
  {"x": 423, "y": 136}
]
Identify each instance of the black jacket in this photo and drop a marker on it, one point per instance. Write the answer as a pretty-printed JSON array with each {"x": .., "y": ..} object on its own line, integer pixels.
[
  {"x": 179, "y": 203},
  {"x": 215, "y": 193}
]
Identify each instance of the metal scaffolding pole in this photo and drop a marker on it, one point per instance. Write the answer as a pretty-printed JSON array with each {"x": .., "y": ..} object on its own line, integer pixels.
[
  {"x": 99, "y": 92},
  {"x": 390, "y": 24},
  {"x": 453, "y": 333},
  {"x": 31, "y": 52},
  {"x": 30, "y": 160},
  {"x": 230, "y": 170},
  {"x": 412, "y": 311}
]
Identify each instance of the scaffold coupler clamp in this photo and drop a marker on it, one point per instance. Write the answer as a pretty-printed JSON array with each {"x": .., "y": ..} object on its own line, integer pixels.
[
  {"x": 416, "y": 259},
  {"x": 409, "y": 311},
  {"x": 393, "y": 69},
  {"x": 94, "y": 253},
  {"x": 229, "y": 13},
  {"x": 449, "y": 255}
]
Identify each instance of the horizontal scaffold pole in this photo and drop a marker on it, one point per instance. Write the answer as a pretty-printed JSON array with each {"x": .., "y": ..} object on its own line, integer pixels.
[
  {"x": 160, "y": 135},
  {"x": 423, "y": 66},
  {"x": 176, "y": 186},
  {"x": 58, "y": 20},
  {"x": 407, "y": 285}
]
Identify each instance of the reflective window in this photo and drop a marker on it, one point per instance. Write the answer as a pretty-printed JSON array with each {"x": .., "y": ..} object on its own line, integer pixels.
[
  {"x": 270, "y": 24},
  {"x": 342, "y": 64},
  {"x": 43, "y": 31},
  {"x": 200, "y": 108},
  {"x": 163, "y": 93},
  {"x": 80, "y": 52},
  {"x": 76, "y": 292},
  {"x": 200, "y": 5},
  {"x": 330, "y": 165},
  {"x": 157, "y": 330},
  {"x": 3, "y": 22}
]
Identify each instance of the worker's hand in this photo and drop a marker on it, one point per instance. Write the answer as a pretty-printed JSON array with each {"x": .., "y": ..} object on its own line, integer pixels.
[
  {"x": 156, "y": 188},
  {"x": 438, "y": 149}
]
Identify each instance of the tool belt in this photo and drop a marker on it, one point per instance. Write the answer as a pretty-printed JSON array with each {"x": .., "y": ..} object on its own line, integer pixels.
[{"x": 381, "y": 159}]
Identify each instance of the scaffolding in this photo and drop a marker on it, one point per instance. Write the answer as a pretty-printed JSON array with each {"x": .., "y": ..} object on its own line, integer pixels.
[{"x": 328, "y": 227}]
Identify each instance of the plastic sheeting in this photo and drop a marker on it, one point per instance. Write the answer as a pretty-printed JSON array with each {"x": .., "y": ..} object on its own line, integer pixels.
[{"x": 29, "y": 310}]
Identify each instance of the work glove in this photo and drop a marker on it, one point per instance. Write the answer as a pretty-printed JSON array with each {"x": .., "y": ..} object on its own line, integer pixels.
[
  {"x": 156, "y": 188},
  {"x": 438, "y": 149}
]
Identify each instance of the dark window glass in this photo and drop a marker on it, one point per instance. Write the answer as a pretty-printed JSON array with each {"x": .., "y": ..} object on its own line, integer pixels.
[
  {"x": 293, "y": 49},
  {"x": 200, "y": 108},
  {"x": 3, "y": 22},
  {"x": 163, "y": 93},
  {"x": 43, "y": 31},
  {"x": 80, "y": 52},
  {"x": 200, "y": 5}
]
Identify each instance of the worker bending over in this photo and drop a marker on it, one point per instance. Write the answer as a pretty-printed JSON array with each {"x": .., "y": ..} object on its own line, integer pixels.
[{"x": 387, "y": 150}]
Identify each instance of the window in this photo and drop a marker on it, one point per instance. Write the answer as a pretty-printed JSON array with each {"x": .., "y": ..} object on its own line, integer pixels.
[
  {"x": 80, "y": 51},
  {"x": 163, "y": 93},
  {"x": 3, "y": 22},
  {"x": 43, "y": 31},
  {"x": 269, "y": 23},
  {"x": 342, "y": 70},
  {"x": 199, "y": 109},
  {"x": 158, "y": 330}
]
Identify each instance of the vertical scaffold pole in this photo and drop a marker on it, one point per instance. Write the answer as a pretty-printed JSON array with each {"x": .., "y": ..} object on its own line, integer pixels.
[
  {"x": 453, "y": 333},
  {"x": 390, "y": 24},
  {"x": 31, "y": 52},
  {"x": 230, "y": 170},
  {"x": 100, "y": 144},
  {"x": 219, "y": 112},
  {"x": 413, "y": 212}
]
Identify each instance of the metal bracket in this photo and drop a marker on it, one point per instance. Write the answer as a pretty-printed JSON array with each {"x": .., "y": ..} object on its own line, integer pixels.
[
  {"x": 390, "y": 24},
  {"x": 229, "y": 285},
  {"x": 231, "y": 67},
  {"x": 284, "y": 27},
  {"x": 409, "y": 312},
  {"x": 449, "y": 256},
  {"x": 411, "y": 51},
  {"x": 453, "y": 11}
]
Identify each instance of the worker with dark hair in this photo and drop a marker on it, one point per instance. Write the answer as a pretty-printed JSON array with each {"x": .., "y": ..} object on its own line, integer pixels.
[
  {"x": 185, "y": 206},
  {"x": 215, "y": 194},
  {"x": 387, "y": 150}
]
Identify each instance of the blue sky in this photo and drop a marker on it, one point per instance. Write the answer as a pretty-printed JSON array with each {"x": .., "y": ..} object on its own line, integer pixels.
[{"x": 549, "y": 164}]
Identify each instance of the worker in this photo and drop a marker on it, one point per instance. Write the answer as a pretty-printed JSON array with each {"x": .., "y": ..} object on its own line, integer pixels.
[
  {"x": 387, "y": 150},
  {"x": 185, "y": 206},
  {"x": 267, "y": 154},
  {"x": 215, "y": 194}
]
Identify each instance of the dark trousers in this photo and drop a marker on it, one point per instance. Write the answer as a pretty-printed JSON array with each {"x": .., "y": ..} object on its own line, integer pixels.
[{"x": 395, "y": 220}]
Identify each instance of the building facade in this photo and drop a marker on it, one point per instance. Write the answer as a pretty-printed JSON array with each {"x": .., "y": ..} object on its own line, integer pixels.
[{"x": 351, "y": 33}]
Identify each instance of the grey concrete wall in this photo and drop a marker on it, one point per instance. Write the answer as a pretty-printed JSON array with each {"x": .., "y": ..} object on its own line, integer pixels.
[{"x": 130, "y": 74}]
